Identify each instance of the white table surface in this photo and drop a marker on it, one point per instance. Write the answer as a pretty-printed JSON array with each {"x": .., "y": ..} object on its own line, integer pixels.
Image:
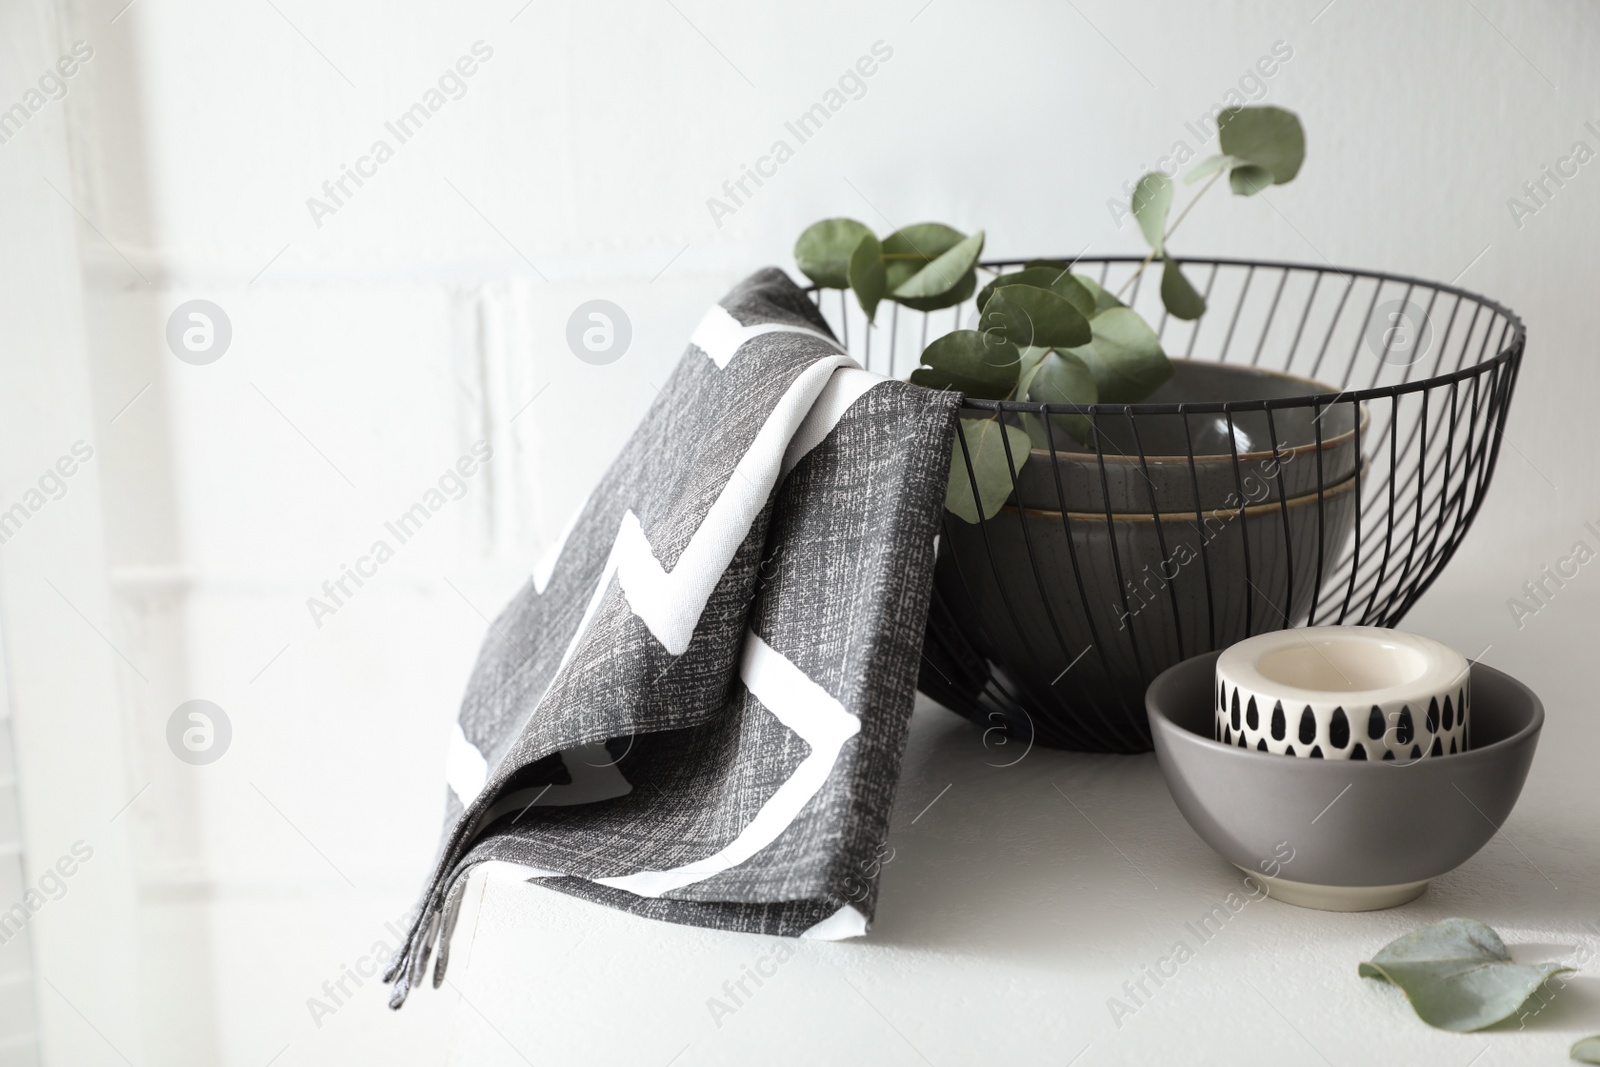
[{"x": 1010, "y": 915}]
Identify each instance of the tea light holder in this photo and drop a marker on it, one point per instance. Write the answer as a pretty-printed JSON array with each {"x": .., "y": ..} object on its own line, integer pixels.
[{"x": 1344, "y": 692}]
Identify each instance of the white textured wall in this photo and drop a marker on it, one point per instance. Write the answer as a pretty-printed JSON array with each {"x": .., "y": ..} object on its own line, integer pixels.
[{"x": 422, "y": 315}]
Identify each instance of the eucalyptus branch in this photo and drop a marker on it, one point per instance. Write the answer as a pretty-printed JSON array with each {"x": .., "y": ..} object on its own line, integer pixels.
[
  {"x": 1092, "y": 348},
  {"x": 1170, "y": 231}
]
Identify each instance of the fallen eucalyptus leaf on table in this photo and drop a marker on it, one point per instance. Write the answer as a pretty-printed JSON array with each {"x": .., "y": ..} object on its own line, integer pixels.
[
  {"x": 1458, "y": 975},
  {"x": 1587, "y": 1050}
]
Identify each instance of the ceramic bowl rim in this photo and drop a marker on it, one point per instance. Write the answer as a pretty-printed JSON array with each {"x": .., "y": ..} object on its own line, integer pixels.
[
  {"x": 1321, "y": 389},
  {"x": 1189, "y": 516},
  {"x": 1166, "y": 726}
]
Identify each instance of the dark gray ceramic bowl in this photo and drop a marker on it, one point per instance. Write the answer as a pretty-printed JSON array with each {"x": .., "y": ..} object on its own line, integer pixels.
[
  {"x": 1313, "y": 446},
  {"x": 1033, "y": 587},
  {"x": 1336, "y": 834}
]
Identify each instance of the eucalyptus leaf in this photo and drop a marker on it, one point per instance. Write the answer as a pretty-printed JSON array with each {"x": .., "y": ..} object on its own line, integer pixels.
[
  {"x": 1025, "y": 315},
  {"x": 910, "y": 248},
  {"x": 1055, "y": 264},
  {"x": 823, "y": 251},
  {"x": 986, "y": 443},
  {"x": 960, "y": 293},
  {"x": 1269, "y": 137},
  {"x": 867, "y": 275},
  {"x": 1209, "y": 166},
  {"x": 1040, "y": 277},
  {"x": 973, "y": 363},
  {"x": 1102, "y": 299},
  {"x": 1125, "y": 357},
  {"x": 1030, "y": 356},
  {"x": 1458, "y": 975},
  {"x": 1152, "y": 199},
  {"x": 1587, "y": 1050},
  {"x": 1057, "y": 281},
  {"x": 1249, "y": 179},
  {"x": 1178, "y": 296},
  {"x": 945, "y": 273},
  {"x": 1061, "y": 378}
]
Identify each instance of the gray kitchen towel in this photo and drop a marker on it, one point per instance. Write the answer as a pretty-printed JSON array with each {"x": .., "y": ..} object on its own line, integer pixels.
[{"x": 695, "y": 709}]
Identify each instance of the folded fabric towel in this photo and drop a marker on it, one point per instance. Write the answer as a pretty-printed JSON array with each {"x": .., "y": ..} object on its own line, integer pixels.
[{"x": 695, "y": 711}]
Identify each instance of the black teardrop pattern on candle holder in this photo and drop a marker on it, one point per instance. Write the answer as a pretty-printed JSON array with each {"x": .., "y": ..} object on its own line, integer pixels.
[
  {"x": 1441, "y": 731},
  {"x": 1308, "y": 726}
]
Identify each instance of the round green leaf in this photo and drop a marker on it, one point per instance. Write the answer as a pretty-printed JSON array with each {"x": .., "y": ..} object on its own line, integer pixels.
[
  {"x": 1102, "y": 299},
  {"x": 1180, "y": 298},
  {"x": 867, "y": 275},
  {"x": 1152, "y": 199},
  {"x": 1458, "y": 975},
  {"x": 1040, "y": 277},
  {"x": 1269, "y": 137},
  {"x": 1025, "y": 315},
  {"x": 960, "y": 293},
  {"x": 1249, "y": 179},
  {"x": 1060, "y": 378},
  {"x": 986, "y": 441},
  {"x": 823, "y": 251},
  {"x": 944, "y": 273},
  {"x": 1125, "y": 357},
  {"x": 1587, "y": 1050},
  {"x": 1055, "y": 279},
  {"x": 1028, "y": 360},
  {"x": 910, "y": 248},
  {"x": 1209, "y": 166},
  {"x": 966, "y": 360}
]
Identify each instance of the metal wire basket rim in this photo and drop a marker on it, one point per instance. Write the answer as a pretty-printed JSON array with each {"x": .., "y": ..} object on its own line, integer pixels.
[
  {"x": 1506, "y": 354},
  {"x": 1224, "y": 407},
  {"x": 1287, "y": 265},
  {"x": 1191, "y": 516}
]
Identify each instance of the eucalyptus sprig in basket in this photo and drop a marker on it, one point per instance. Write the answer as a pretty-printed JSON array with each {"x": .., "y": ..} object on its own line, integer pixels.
[{"x": 1145, "y": 472}]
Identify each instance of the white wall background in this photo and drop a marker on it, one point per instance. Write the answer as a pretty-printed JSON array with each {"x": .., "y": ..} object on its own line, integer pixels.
[{"x": 429, "y": 311}]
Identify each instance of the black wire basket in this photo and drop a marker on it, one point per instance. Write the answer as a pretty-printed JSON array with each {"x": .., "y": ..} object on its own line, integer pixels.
[{"x": 1320, "y": 452}]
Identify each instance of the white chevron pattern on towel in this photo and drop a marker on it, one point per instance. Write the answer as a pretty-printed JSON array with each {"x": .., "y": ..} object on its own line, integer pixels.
[
  {"x": 812, "y": 713},
  {"x": 720, "y": 335},
  {"x": 670, "y": 602}
]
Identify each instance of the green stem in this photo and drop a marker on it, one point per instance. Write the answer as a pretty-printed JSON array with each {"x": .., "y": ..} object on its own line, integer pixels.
[{"x": 1170, "y": 231}]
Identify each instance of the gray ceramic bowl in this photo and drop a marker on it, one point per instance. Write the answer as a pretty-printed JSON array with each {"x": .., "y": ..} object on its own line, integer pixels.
[
  {"x": 1313, "y": 445},
  {"x": 1359, "y": 836}
]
